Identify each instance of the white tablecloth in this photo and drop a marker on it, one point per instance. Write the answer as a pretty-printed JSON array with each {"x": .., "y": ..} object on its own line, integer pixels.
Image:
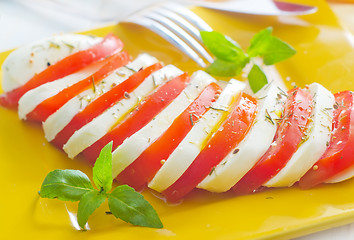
[{"x": 23, "y": 21}]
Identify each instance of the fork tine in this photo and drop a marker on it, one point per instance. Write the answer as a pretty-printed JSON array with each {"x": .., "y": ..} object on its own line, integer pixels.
[
  {"x": 189, "y": 15},
  {"x": 178, "y": 25},
  {"x": 161, "y": 30},
  {"x": 182, "y": 22},
  {"x": 181, "y": 33}
]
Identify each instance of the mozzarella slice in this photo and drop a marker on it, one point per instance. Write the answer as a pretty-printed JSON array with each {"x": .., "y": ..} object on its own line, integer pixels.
[
  {"x": 31, "y": 99},
  {"x": 98, "y": 127},
  {"x": 189, "y": 148},
  {"x": 58, "y": 120},
  {"x": 136, "y": 144},
  {"x": 318, "y": 135},
  {"x": 23, "y": 63},
  {"x": 253, "y": 146}
]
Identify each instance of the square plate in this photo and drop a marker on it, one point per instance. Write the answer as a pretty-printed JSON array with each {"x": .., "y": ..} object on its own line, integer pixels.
[{"x": 325, "y": 55}]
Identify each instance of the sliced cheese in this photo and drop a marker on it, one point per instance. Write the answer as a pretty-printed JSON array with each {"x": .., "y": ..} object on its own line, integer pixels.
[
  {"x": 190, "y": 147},
  {"x": 31, "y": 99},
  {"x": 58, "y": 120},
  {"x": 136, "y": 144},
  {"x": 318, "y": 135},
  {"x": 98, "y": 127},
  {"x": 23, "y": 63},
  {"x": 253, "y": 146}
]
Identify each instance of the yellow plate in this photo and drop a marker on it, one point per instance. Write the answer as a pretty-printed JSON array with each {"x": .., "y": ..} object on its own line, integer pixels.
[{"x": 324, "y": 55}]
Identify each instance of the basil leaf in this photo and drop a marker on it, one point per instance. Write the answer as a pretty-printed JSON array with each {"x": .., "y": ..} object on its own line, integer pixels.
[
  {"x": 225, "y": 69},
  {"x": 221, "y": 46},
  {"x": 130, "y": 206},
  {"x": 271, "y": 48},
  {"x": 102, "y": 171},
  {"x": 256, "y": 78},
  {"x": 89, "y": 202},
  {"x": 277, "y": 51},
  {"x": 259, "y": 42},
  {"x": 66, "y": 185}
]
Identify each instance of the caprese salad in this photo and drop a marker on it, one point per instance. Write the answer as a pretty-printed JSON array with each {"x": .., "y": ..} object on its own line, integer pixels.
[{"x": 173, "y": 132}]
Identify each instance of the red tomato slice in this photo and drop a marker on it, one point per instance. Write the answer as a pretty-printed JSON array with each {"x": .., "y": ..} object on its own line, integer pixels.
[
  {"x": 149, "y": 162},
  {"x": 52, "y": 104},
  {"x": 339, "y": 154},
  {"x": 141, "y": 115},
  {"x": 74, "y": 62},
  {"x": 102, "y": 103},
  {"x": 297, "y": 113},
  {"x": 229, "y": 135}
]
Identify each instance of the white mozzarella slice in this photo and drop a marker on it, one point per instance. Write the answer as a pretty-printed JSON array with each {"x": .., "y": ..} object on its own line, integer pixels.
[
  {"x": 259, "y": 138},
  {"x": 23, "y": 63},
  {"x": 189, "y": 148},
  {"x": 98, "y": 127},
  {"x": 31, "y": 99},
  {"x": 136, "y": 144},
  {"x": 318, "y": 135},
  {"x": 349, "y": 173},
  {"x": 58, "y": 120}
]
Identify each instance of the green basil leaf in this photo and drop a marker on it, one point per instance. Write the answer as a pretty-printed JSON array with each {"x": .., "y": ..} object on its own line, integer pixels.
[
  {"x": 259, "y": 42},
  {"x": 66, "y": 185},
  {"x": 89, "y": 202},
  {"x": 222, "y": 47},
  {"x": 131, "y": 207},
  {"x": 102, "y": 171},
  {"x": 256, "y": 78},
  {"x": 271, "y": 48},
  {"x": 223, "y": 68},
  {"x": 277, "y": 51}
]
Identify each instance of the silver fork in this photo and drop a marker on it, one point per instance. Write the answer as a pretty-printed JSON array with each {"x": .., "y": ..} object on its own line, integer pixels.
[{"x": 178, "y": 25}]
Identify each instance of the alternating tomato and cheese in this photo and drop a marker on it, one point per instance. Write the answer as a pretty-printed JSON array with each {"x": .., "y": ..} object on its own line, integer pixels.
[{"x": 173, "y": 132}]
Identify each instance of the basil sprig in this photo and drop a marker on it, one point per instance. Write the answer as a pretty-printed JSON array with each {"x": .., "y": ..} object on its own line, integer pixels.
[
  {"x": 124, "y": 202},
  {"x": 231, "y": 59}
]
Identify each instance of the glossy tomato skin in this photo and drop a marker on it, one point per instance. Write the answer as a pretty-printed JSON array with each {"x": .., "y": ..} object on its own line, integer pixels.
[
  {"x": 225, "y": 140},
  {"x": 74, "y": 62},
  {"x": 143, "y": 169},
  {"x": 141, "y": 115},
  {"x": 339, "y": 154},
  {"x": 294, "y": 122},
  {"x": 52, "y": 104},
  {"x": 111, "y": 97},
  {"x": 102, "y": 103}
]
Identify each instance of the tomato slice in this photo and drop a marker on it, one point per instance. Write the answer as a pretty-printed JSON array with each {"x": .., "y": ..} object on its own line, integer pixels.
[
  {"x": 141, "y": 115},
  {"x": 296, "y": 117},
  {"x": 102, "y": 103},
  {"x": 52, "y": 104},
  {"x": 339, "y": 153},
  {"x": 149, "y": 162},
  {"x": 229, "y": 135},
  {"x": 74, "y": 62}
]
